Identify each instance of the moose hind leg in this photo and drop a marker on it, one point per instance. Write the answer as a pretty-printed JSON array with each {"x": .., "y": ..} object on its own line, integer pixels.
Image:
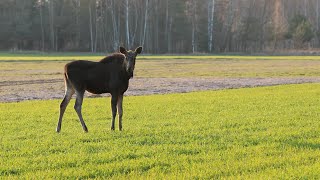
[
  {"x": 114, "y": 100},
  {"x": 120, "y": 111},
  {"x": 64, "y": 104},
  {"x": 78, "y": 106}
]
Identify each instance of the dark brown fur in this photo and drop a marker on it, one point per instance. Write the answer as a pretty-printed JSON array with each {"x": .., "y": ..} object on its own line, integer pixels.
[{"x": 109, "y": 75}]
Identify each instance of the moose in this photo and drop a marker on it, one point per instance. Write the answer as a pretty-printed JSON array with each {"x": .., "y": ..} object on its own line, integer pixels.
[{"x": 109, "y": 75}]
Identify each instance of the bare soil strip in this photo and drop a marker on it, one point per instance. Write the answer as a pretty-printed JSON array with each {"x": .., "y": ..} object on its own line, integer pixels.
[
  {"x": 15, "y": 91},
  {"x": 16, "y": 83}
]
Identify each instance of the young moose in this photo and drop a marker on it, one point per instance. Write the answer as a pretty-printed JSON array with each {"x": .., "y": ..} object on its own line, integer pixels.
[{"x": 110, "y": 75}]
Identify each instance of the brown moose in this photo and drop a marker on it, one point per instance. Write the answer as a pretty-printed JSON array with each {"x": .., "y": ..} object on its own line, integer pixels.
[{"x": 109, "y": 75}]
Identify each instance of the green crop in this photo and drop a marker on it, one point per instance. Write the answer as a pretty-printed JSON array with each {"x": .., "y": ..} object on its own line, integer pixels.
[{"x": 251, "y": 133}]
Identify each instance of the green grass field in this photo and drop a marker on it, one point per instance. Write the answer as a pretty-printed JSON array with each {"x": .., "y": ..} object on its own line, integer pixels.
[{"x": 265, "y": 133}]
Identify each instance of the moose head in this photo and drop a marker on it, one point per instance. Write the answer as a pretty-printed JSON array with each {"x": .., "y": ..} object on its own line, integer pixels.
[{"x": 130, "y": 59}]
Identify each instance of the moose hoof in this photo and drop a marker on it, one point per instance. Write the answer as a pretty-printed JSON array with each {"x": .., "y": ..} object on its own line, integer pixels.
[
  {"x": 112, "y": 128},
  {"x": 58, "y": 130}
]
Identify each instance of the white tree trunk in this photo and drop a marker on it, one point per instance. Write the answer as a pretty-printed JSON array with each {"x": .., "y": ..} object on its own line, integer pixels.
[
  {"x": 194, "y": 27},
  {"x": 305, "y": 8},
  {"x": 170, "y": 35},
  {"x": 90, "y": 26},
  {"x": 56, "y": 41},
  {"x": 78, "y": 36},
  {"x": 145, "y": 23},
  {"x": 51, "y": 14},
  {"x": 156, "y": 29},
  {"x": 317, "y": 18},
  {"x": 115, "y": 26},
  {"x": 133, "y": 35},
  {"x": 168, "y": 28},
  {"x": 42, "y": 28},
  {"x": 97, "y": 27},
  {"x": 210, "y": 24},
  {"x": 167, "y": 20},
  {"x": 127, "y": 25},
  {"x": 193, "y": 39},
  {"x": 229, "y": 24}
]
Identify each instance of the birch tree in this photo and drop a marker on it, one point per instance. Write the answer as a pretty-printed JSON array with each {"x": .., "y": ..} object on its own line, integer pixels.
[
  {"x": 228, "y": 27},
  {"x": 168, "y": 27},
  {"x": 41, "y": 4},
  {"x": 305, "y": 7},
  {"x": 278, "y": 22},
  {"x": 115, "y": 24},
  {"x": 317, "y": 15},
  {"x": 91, "y": 26},
  {"x": 127, "y": 23},
  {"x": 192, "y": 14},
  {"x": 51, "y": 19},
  {"x": 210, "y": 24},
  {"x": 135, "y": 27},
  {"x": 145, "y": 22},
  {"x": 76, "y": 7}
]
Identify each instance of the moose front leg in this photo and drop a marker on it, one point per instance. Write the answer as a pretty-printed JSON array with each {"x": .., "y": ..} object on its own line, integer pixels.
[
  {"x": 114, "y": 100},
  {"x": 120, "y": 111}
]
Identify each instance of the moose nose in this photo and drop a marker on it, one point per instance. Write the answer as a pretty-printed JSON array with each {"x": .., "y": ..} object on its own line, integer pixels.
[
  {"x": 130, "y": 66},
  {"x": 129, "y": 69}
]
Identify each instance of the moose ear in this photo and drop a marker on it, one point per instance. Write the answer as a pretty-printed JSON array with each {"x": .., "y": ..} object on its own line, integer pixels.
[
  {"x": 123, "y": 50},
  {"x": 139, "y": 50}
]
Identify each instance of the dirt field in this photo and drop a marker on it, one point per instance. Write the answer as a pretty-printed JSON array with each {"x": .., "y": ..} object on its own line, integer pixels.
[
  {"x": 28, "y": 80},
  {"x": 12, "y": 91}
]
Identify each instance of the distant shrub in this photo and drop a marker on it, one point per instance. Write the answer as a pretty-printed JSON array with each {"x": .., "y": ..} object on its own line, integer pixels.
[{"x": 300, "y": 30}]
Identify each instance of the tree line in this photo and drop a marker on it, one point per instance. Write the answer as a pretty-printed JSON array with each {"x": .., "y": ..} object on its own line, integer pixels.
[{"x": 160, "y": 26}]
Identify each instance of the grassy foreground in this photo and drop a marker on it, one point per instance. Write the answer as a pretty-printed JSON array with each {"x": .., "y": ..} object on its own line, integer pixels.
[{"x": 269, "y": 132}]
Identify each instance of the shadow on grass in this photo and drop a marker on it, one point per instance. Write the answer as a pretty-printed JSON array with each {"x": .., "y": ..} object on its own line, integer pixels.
[
  {"x": 9, "y": 172},
  {"x": 303, "y": 145}
]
